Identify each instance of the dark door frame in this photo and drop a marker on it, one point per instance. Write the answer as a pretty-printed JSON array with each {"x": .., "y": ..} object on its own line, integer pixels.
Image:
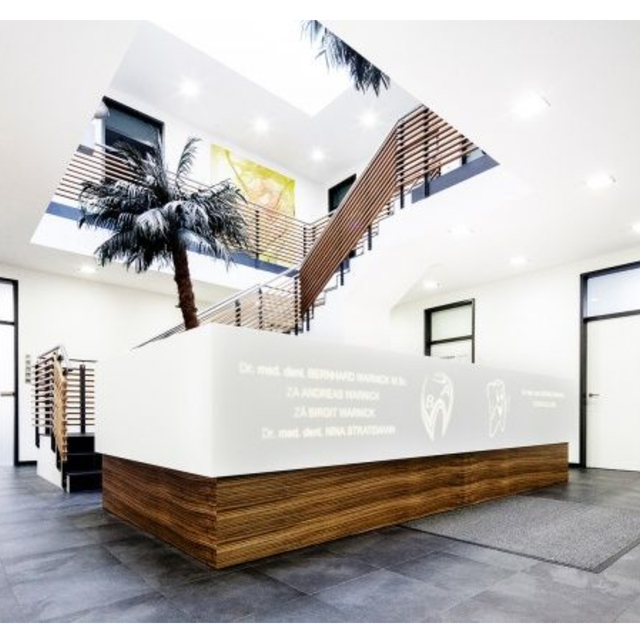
[
  {"x": 444, "y": 307},
  {"x": 16, "y": 398},
  {"x": 584, "y": 344}
]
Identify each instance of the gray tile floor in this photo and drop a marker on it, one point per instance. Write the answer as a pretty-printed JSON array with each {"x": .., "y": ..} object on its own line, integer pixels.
[{"x": 63, "y": 559}]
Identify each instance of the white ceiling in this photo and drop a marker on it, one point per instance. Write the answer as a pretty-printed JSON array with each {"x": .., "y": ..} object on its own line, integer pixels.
[
  {"x": 476, "y": 72},
  {"x": 158, "y": 62}
]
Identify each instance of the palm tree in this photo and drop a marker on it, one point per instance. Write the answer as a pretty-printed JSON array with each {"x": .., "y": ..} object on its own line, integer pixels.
[
  {"x": 155, "y": 217},
  {"x": 338, "y": 54}
]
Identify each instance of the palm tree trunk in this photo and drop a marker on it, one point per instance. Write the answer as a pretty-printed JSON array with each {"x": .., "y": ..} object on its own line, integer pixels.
[{"x": 182, "y": 277}]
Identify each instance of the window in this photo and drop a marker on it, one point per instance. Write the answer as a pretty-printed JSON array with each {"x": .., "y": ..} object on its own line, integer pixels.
[
  {"x": 613, "y": 291},
  {"x": 338, "y": 192},
  {"x": 449, "y": 331},
  {"x": 123, "y": 124}
]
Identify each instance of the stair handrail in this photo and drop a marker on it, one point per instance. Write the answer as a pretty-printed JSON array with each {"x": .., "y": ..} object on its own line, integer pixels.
[
  {"x": 225, "y": 302},
  {"x": 414, "y": 152}
]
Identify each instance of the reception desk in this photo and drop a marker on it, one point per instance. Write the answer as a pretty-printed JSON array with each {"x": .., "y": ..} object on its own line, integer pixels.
[{"x": 234, "y": 444}]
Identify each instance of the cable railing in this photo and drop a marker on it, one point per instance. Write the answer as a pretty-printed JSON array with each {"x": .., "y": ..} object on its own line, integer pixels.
[
  {"x": 273, "y": 236},
  {"x": 420, "y": 148}
]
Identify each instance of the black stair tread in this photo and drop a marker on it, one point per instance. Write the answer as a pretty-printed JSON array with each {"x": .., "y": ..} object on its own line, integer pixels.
[
  {"x": 81, "y": 435},
  {"x": 83, "y": 474}
]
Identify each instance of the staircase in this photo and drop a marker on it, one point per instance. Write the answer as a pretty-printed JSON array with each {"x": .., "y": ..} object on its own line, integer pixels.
[
  {"x": 63, "y": 414},
  {"x": 416, "y": 154}
]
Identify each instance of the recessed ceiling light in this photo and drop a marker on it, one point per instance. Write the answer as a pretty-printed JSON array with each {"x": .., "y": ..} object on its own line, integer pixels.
[
  {"x": 636, "y": 227},
  {"x": 317, "y": 155},
  {"x": 431, "y": 285},
  {"x": 600, "y": 181},
  {"x": 189, "y": 88},
  {"x": 519, "y": 261},
  {"x": 261, "y": 125},
  {"x": 87, "y": 268},
  {"x": 530, "y": 105},
  {"x": 369, "y": 119},
  {"x": 460, "y": 230}
]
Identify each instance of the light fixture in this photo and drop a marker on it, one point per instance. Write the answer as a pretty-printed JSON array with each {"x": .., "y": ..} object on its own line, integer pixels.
[
  {"x": 317, "y": 155},
  {"x": 189, "y": 88},
  {"x": 460, "y": 230},
  {"x": 88, "y": 269},
  {"x": 530, "y": 105},
  {"x": 431, "y": 285},
  {"x": 600, "y": 181},
  {"x": 369, "y": 119},
  {"x": 261, "y": 125},
  {"x": 635, "y": 227},
  {"x": 519, "y": 261}
]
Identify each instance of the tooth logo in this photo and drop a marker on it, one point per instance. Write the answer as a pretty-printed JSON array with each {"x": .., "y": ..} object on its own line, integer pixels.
[
  {"x": 498, "y": 403},
  {"x": 436, "y": 403}
]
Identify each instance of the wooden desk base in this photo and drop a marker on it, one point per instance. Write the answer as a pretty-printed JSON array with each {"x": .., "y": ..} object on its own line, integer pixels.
[{"x": 226, "y": 521}]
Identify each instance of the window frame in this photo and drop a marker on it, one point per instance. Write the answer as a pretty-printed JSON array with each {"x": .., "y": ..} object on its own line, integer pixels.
[
  {"x": 428, "y": 314},
  {"x": 111, "y": 103}
]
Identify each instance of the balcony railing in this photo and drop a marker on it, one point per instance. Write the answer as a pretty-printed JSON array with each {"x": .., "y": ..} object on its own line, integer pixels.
[{"x": 273, "y": 237}]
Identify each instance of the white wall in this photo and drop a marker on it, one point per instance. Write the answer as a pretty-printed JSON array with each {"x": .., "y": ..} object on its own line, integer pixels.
[
  {"x": 528, "y": 323},
  {"x": 311, "y": 197},
  {"x": 92, "y": 320}
]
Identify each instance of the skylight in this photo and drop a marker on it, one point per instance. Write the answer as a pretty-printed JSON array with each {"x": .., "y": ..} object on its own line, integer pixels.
[{"x": 271, "y": 54}]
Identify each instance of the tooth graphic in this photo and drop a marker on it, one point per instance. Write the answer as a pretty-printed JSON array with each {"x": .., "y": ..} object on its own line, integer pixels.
[
  {"x": 498, "y": 403},
  {"x": 436, "y": 403}
]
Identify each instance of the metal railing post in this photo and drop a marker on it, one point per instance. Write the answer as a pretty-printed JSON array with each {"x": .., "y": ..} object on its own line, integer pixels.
[
  {"x": 257, "y": 225},
  {"x": 83, "y": 398},
  {"x": 260, "y": 310},
  {"x": 238, "y": 313},
  {"x": 296, "y": 301}
]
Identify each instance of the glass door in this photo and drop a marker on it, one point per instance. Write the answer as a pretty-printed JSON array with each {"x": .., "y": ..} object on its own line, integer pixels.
[{"x": 8, "y": 372}]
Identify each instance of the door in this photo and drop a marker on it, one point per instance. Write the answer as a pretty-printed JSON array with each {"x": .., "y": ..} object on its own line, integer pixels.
[
  {"x": 613, "y": 393},
  {"x": 8, "y": 372}
]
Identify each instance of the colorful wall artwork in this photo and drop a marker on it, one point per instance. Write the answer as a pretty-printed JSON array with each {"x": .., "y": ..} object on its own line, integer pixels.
[{"x": 258, "y": 184}]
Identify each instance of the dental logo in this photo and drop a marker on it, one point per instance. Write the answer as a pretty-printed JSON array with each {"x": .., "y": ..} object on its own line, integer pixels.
[
  {"x": 498, "y": 404},
  {"x": 436, "y": 403}
]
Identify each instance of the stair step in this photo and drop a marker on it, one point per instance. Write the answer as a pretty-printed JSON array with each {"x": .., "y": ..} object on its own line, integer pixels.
[
  {"x": 84, "y": 481},
  {"x": 83, "y": 462},
  {"x": 80, "y": 443}
]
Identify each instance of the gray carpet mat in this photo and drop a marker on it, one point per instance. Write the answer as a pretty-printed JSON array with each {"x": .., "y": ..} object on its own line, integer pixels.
[{"x": 588, "y": 537}]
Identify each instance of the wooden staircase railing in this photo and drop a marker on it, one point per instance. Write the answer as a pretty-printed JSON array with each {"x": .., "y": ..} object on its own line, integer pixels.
[
  {"x": 414, "y": 152},
  {"x": 63, "y": 398},
  {"x": 273, "y": 236},
  {"x": 420, "y": 148}
]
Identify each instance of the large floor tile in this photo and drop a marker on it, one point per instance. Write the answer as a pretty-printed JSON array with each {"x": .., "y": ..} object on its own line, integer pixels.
[
  {"x": 158, "y": 564},
  {"x": 493, "y": 557},
  {"x": 386, "y": 596},
  {"x": 54, "y": 597},
  {"x": 43, "y": 543},
  {"x": 306, "y": 609},
  {"x": 10, "y": 610},
  {"x": 147, "y": 608},
  {"x": 232, "y": 596},
  {"x": 315, "y": 569},
  {"x": 70, "y": 564},
  {"x": 383, "y": 549},
  {"x": 463, "y": 577},
  {"x": 618, "y": 586},
  {"x": 526, "y": 598}
]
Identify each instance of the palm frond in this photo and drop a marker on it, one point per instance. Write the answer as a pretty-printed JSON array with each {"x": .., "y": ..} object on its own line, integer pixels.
[{"x": 338, "y": 54}]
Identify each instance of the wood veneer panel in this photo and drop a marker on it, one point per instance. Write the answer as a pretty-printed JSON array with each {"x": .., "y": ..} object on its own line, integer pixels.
[
  {"x": 227, "y": 521},
  {"x": 177, "y": 507}
]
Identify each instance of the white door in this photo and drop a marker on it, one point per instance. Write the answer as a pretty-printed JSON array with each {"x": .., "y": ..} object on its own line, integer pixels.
[
  {"x": 7, "y": 373},
  {"x": 613, "y": 393}
]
